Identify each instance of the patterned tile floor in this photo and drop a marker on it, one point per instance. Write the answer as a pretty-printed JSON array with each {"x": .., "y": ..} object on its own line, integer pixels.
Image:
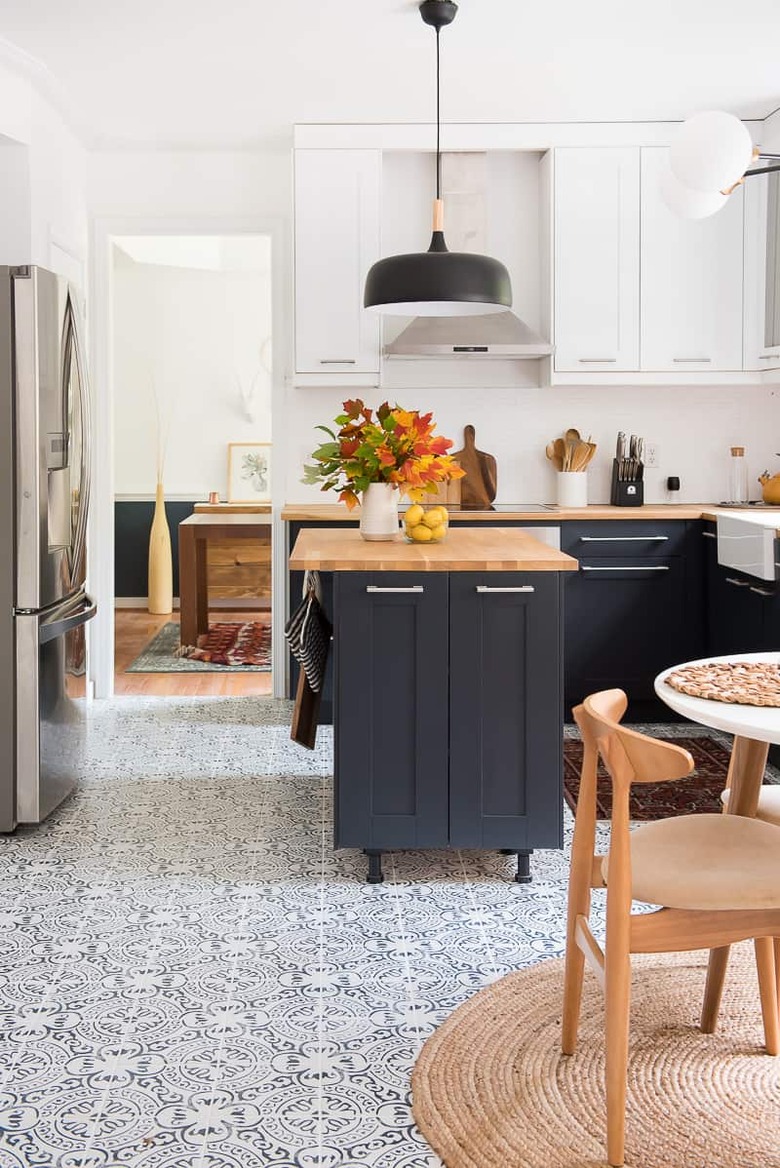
[{"x": 190, "y": 977}]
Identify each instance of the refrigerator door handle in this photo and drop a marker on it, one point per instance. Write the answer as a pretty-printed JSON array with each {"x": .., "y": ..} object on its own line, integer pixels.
[
  {"x": 74, "y": 350},
  {"x": 49, "y": 630}
]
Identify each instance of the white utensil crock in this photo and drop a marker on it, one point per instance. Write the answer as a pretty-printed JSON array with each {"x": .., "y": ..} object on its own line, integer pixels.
[
  {"x": 379, "y": 512},
  {"x": 572, "y": 488}
]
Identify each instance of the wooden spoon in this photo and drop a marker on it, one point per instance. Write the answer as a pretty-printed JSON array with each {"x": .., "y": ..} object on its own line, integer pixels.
[
  {"x": 559, "y": 447},
  {"x": 571, "y": 438}
]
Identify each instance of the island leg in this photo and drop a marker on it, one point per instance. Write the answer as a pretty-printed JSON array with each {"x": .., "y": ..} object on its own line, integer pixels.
[
  {"x": 523, "y": 873},
  {"x": 374, "y": 866}
]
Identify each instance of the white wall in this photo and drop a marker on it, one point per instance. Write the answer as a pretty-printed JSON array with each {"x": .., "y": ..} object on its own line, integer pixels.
[
  {"x": 693, "y": 429},
  {"x": 193, "y": 337}
]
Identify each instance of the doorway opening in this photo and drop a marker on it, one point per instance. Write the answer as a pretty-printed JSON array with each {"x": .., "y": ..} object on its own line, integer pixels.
[{"x": 191, "y": 322}]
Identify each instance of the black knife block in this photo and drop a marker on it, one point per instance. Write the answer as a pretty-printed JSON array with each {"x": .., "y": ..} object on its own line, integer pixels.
[{"x": 629, "y": 493}]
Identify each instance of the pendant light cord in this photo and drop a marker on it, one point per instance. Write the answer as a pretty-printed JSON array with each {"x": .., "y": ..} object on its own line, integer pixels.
[{"x": 438, "y": 122}]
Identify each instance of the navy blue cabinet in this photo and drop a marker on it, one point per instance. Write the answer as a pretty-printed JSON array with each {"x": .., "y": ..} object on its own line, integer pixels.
[
  {"x": 448, "y": 711},
  {"x": 391, "y": 633},
  {"x": 505, "y": 710},
  {"x": 743, "y": 613},
  {"x": 635, "y": 606}
]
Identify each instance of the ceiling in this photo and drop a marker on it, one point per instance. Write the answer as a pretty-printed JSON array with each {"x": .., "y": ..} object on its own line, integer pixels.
[{"x": 238, "y": 73}]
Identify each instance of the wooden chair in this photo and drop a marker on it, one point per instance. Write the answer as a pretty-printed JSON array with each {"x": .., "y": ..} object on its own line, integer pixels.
[{"x": 717, "y": 878}]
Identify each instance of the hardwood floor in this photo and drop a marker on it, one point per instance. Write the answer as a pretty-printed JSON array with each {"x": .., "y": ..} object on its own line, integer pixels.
[{"x": 135, "y": 627}]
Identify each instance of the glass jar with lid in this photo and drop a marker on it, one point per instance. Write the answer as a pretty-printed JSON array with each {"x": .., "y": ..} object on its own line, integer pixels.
[{"x": 738, "y": 479}]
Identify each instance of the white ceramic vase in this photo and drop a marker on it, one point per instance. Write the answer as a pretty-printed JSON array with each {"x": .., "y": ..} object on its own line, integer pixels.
[
  {"x": 379, "y": 511},
  {"x": 572, "y": 488}
]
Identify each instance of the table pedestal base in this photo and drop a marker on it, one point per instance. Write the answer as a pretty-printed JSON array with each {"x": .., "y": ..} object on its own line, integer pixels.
[{"x": 746, "y": 774}]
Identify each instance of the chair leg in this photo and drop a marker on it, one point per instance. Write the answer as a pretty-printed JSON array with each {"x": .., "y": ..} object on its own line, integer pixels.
[
  {"x": 777, "y": 970},
  {"x": 713, "y": 989},
  {"x": 767, "y": 984},
  {"x": 618, "y": 1005},
  {"x": 572, "y": 995}
]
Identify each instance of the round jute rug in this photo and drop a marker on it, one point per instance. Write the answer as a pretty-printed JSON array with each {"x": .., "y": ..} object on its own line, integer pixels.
[{"x": 491, "y": 1088}]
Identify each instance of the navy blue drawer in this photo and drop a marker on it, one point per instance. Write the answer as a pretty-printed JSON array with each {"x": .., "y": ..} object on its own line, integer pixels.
[{"x": 633, "y": 538}]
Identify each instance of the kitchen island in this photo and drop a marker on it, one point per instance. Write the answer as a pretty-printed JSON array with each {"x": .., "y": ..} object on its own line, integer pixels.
[{"x": 448, "y": 718}]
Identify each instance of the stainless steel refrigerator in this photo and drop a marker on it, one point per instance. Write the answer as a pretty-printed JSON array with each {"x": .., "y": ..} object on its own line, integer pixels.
[{"x": 44, "y": 501}]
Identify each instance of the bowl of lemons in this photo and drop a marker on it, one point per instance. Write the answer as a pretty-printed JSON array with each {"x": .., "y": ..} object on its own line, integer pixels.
[{"x": 425, "y": 524}]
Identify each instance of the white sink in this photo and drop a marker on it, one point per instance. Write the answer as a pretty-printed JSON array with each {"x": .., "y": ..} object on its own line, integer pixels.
[{"x": 747, "y": 543}]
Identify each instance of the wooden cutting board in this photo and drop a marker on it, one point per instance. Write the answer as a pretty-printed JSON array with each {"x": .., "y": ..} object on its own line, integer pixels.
[{"x": 478, "y": 488}]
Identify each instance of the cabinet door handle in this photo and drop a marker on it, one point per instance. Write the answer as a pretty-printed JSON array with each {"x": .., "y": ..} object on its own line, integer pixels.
[
  {"x": 619, "y": 568},
  {"x": 692, "y": 360},
  {"x": 769, "y": 357},
  {"x": 762, "y": 591},
  {"x": 597, "y": 360},
  {"x": 412, "y": 588},
  {"x": 623, "y": 538},
  {"x": 338, "y": 361},
  {"x": 737, "y": 583},
  {"x": 519, "y": 588},
  {"x": 709, "y": 535}
]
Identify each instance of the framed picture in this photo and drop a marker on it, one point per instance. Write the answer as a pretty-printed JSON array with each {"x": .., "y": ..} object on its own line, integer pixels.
[{"x": 249, "y": 472}]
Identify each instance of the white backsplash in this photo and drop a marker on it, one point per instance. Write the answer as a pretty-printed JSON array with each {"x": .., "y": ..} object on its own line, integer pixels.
[{"x": 693, "y": 429}]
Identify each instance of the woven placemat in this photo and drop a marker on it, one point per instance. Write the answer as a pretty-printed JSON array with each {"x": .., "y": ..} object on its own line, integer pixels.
[
  {"x": 491, "y": 1089},
  {"x": 743, "y": 683}
]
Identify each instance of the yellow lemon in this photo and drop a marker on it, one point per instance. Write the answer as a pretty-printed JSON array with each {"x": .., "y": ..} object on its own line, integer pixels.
[
  {"x": 432, "y": 517},
  {"x": 439, "y": 532},
  {"x": 413, "y": 515},
  {"x": 421, "y": 533}
]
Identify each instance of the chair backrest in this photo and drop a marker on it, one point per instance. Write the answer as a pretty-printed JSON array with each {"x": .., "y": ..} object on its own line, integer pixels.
[{"x": 630, "y": 757}]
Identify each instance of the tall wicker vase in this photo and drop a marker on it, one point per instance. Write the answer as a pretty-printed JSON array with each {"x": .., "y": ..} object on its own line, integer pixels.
[{"x": 160, "y": 558}]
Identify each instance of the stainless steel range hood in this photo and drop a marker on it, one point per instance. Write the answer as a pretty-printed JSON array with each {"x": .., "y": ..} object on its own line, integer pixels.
[{"x": 498, "y": 334}]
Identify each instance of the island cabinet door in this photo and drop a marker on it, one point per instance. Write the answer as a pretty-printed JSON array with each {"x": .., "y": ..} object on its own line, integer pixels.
[
  {"x": 505, "y": 710},
  {"x": 391, "y": 717}
]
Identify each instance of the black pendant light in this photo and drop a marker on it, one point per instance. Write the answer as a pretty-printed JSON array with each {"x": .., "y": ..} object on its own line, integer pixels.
[{"x": 438, "y": 282}]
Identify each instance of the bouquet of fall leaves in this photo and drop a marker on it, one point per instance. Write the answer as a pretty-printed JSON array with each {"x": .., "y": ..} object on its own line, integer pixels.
[{"x": 396, "y": 446}]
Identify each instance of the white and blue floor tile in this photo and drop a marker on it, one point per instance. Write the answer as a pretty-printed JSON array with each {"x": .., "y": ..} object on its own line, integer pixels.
[{"x": 190, "y": 977}]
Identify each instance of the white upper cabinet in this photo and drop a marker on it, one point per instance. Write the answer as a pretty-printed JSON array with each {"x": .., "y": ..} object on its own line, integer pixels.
[
  {"x": 596, "y": 264},
  {"x": 337, "y": 239},
  {"x": 691, "y": 282},
  {"x": 762, "y": 274}
]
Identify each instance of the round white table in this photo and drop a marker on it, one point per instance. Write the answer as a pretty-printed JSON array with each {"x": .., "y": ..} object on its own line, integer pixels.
[{"x": 754, "y": 728}]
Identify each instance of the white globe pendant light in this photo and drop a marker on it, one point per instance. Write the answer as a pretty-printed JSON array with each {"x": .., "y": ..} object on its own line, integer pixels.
[
  {"x": 686, "y": 202},
  {"x": 711, "y": 151}
]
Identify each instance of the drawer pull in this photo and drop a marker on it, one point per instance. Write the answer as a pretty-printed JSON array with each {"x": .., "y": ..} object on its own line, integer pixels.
[
  {"x": 709, "y": 535},
  {"x": 623, "y": 538},
  {"x": 519, "y": 588},
  {"x": 762, "y": 591},
  {"x": 597, "y": 360},
  {"x": 412, "y": 588},
  {"x": 737, "y": 583},
  {"x": 338, "y": 361},
  {"x": 692, "y": 360},
  {"x": 648, "y": 568}
]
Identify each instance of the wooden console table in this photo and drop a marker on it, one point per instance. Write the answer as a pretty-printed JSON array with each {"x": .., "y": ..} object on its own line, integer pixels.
[{"x": 194, "y": 536}]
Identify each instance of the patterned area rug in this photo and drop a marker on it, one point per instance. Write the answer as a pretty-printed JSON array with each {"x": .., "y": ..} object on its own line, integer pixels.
[
  {"x": 698, "y": 794},
  {"x": 226, "y": 648}
]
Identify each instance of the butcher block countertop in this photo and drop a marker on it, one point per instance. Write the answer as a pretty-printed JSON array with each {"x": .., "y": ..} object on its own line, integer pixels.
[
  {"x": 496, "y": 549},
  {"x": 338, "y": 513}
]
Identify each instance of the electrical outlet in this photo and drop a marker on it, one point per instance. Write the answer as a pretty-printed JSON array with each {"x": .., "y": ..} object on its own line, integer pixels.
[{"x": 652, "y": 458}]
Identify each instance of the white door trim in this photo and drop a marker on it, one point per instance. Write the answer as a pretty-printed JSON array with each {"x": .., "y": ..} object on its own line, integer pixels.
[{"x": 99, "y": 323}]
